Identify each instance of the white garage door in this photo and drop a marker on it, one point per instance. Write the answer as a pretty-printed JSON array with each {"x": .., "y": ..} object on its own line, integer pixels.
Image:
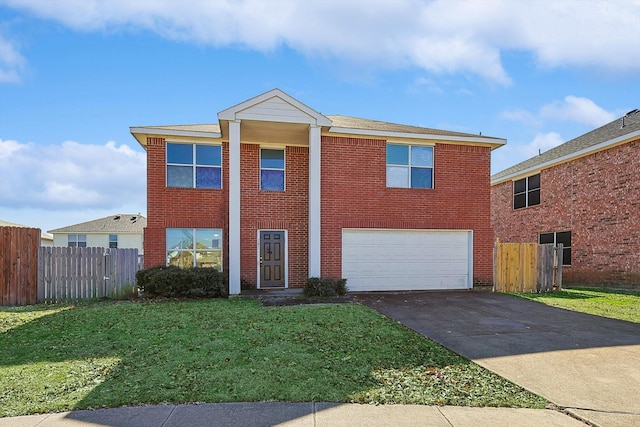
[{"x": 395, "y": 260}]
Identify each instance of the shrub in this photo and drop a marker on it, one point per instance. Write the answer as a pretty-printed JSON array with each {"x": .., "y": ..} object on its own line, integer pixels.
[
  {"x": 325, "y": 287},
  {"x": 171, "y": 282}
]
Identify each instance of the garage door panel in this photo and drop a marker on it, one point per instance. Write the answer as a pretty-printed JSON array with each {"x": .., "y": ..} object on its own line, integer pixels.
[{"x": 406, "y": 259}]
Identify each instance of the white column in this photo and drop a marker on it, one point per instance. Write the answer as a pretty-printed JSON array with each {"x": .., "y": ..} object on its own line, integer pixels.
[
  {"x": 314, "y": 201},
  {"x": 234, "y": 207}
]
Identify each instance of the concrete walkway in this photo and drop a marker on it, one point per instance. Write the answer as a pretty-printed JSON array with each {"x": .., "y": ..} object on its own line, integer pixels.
[
  {"x": 587, "y": 365},
  {"x": 297, "y": 415}
]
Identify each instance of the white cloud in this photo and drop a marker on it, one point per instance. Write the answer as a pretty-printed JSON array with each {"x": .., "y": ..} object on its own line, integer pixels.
[
  {"x": 541, "y": 142},
  {"x": 441, "y": 36},
  {"x": 571, "y": 109},
  {"x": 71, "y": 176},
  {"x": 576, "y": 109},
  {"x": 11, "y": 62}
]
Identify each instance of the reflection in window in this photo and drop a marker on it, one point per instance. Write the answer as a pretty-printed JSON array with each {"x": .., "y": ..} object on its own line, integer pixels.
[
  {"x": 194, "y": 166},
  {"x": 272, "y": 169},
  {"x": 194, "y": 247},
  {"x": 409, "y": 166}
]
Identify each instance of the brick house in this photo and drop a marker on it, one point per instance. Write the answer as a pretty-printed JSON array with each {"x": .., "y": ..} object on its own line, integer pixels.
[
  {"x": 585, "y": 194},
  {"x": 276, "y": 192}
]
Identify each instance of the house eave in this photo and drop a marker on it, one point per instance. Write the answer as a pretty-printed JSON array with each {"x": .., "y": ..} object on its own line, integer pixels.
[
  {"x": 141, "y": 133},
  {"x": 567, "y": 158},
  {"x": 493, "y": 142}
]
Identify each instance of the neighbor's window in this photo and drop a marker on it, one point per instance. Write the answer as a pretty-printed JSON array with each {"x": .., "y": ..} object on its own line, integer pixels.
[
  {"x": 556, "y": 238},
  {"x": 409, "y": 166},
  {"x": 194, "y": 166},
  {"x": 194, "y": 247},
  {"x": 77, "y": 240},
  {"x": 526, "y": 192},
  {"x": 113, "y": 241},
  {"x": 271, "y": 169}
]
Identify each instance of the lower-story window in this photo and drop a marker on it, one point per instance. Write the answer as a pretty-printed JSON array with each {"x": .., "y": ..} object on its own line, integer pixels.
[
  {"x": 556, "y": 238},
  {"x": 194, "y": 247}
]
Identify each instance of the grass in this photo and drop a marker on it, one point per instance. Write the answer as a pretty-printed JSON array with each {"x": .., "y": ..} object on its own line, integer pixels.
[
  {"x": 623, "y": 305},
  {"x": 109, "y": 354}
]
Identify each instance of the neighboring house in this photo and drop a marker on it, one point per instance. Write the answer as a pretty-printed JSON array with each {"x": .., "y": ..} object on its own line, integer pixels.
[
  {"x": 46, "y": 239},
  {"x": 276, "y": 192},
  {"x": 115, "y": 231},
  {"x": 584, "y": 194}
]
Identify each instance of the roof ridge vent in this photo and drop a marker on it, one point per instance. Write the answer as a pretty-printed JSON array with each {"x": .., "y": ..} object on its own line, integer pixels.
[{"x": 634, "y": 111}]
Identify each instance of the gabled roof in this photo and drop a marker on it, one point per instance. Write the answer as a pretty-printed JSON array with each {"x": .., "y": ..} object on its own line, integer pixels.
[
  {"x": 43, "y": 235},
  {"x": 120, "y": 223},
  {"x": 274, "y": 105},
  {"x": 619, "y": 131}
]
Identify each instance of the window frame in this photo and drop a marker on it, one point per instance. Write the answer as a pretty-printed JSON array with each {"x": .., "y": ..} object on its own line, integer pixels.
[
  {"x": 194, "y": 249},
  {"x": 78, "y": 241},
  {"x": 565, "y": 249},
  {"x": 409, "y": 166},
  {"x": 283, "y": 169},
  {"x": 113, "y": 241},
  {"x": 527, "y": 192},
  {"x": 194, "y": 165}
]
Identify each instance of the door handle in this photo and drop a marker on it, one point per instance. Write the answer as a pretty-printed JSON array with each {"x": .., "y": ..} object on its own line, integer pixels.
[{"x": 260, "y": 261}]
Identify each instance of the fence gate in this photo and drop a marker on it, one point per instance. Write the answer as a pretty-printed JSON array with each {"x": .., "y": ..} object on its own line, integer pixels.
[
  {"x": 526, "y": 267},
  {"x": 71, "y": 274},
  {"x": 18, "y": 265}
]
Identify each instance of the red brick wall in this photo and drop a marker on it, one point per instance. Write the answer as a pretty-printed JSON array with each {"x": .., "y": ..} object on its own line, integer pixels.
[
  {"x": 275, "y": 210},
  {"x": 180, "y": 207},
  {"x": 354, "y": 194},
  {"x": 597, "y": 198}
]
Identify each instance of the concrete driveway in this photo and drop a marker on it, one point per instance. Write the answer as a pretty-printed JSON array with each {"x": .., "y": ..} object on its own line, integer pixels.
[{"x": 587, "y": 365}]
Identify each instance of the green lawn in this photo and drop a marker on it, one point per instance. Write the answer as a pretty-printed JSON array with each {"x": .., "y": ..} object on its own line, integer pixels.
[
  {"x": 623, "y": 305},
  {"x": 108, "y": 354}
]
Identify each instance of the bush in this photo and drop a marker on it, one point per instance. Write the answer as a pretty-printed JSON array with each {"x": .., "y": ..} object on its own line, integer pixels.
[
  {"x": 172, "y": 282},
  {"x": 325, "y": 287}
]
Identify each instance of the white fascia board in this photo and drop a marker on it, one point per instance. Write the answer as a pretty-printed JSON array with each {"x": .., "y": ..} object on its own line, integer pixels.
[
  {"x": 575, "y": 155},
  {"x": 368, "y": 132},
  {"x": 173, "y": 132}
]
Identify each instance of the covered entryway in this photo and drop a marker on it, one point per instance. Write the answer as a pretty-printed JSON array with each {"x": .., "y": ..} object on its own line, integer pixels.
[
  {"x": 401, "y": 260},
  {"x": 272, "y": 259}
]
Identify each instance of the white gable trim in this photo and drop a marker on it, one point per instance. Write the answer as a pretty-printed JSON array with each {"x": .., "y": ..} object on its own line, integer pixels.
[{"x": 274, "y": 106}]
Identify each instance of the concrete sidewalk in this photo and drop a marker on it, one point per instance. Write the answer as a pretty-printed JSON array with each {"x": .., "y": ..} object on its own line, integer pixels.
[
  {"x": 297, "y": 414},
  {"x": 587, "y": 365}
]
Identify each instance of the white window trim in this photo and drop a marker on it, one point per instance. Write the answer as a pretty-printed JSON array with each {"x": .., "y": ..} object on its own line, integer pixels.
[
  {"x": 284, "y": 169},
  {"x": 409, "y": 166},
  {"x": 195, "y": 250},
  {"x": 194, "y": 164}
]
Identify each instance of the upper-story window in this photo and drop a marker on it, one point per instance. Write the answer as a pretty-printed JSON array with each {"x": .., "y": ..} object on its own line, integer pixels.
[
  {"x": 526, "y": 192},
  {"x": 77, "y": 240},
  {"x": 113, "y": 241},
  {"x": 194, "y": 166},
  {"x": 272, "y": 176},
  {"x": 409, "y": 166}
]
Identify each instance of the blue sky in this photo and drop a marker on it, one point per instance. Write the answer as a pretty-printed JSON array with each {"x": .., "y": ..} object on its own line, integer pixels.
[{"x": 75, "y": 75}]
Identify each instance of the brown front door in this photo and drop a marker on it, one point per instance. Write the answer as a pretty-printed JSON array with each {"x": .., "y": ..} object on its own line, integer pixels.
[{"x": 272, "y": 259}]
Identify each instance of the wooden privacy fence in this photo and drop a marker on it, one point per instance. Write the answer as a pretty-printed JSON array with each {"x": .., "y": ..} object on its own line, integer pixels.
[
  {"x": 71, "y": 274},
  {"x": 19, "y": 265},
  {"x": 527, "y": 267}
]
